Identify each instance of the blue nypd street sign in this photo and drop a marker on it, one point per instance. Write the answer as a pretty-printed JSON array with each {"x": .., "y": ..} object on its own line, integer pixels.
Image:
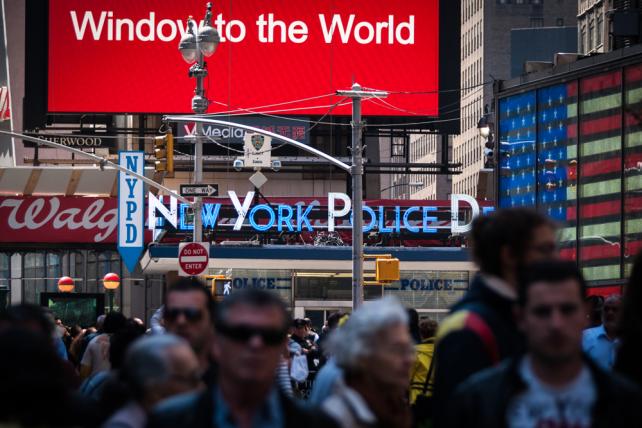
[{"x": 131, "y": 207}]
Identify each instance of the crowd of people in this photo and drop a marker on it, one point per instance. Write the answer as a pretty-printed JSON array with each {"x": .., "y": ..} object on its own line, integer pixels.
[{"x": 525, "y": 347}]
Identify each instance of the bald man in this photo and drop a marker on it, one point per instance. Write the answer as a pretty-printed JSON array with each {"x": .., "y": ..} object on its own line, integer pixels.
[{"x": 601, "y": 343}]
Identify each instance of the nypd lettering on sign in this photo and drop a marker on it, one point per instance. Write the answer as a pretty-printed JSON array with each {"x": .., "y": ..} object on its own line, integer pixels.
[{"x": 131, "y": 206}]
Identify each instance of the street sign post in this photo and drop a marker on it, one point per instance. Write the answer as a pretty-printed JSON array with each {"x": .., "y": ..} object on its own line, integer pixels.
[
  {"x": 199, "y": 190},
  {"x": 193, "y": 258}
]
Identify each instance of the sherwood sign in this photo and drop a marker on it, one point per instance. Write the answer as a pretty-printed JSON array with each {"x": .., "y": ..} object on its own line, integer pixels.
[{"x": 73, "y": 141}]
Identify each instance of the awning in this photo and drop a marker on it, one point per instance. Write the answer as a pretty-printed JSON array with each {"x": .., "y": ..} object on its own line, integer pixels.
[{"x": 68, "y": 181}]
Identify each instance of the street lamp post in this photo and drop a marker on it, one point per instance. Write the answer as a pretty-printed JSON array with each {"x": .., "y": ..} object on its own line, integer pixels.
[
  {"x": 111, "y": 282},
  {"x": 357, "y": 93},
  {"x": 194, "y": 46}
]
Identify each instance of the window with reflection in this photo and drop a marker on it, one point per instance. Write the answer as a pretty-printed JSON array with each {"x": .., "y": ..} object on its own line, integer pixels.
[
  {"x": 34, "y": 272},
  {"x": 517, "y": 124},
  {"x": 600, "y": 183},
  {"x": 54, "y": 271},
  {"x": 5, "y": 280},
  {"x": 557, "y": 160},
  {"x": 632, "y": 164}
]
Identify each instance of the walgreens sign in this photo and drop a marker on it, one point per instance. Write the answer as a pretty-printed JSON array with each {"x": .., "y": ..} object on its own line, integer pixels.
[{"x": 122, "y": 56}]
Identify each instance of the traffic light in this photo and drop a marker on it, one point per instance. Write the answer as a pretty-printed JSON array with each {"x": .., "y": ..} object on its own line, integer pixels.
[
  {"x": 215, "y": 280},
  {"x": 164, "y": 154},
  {"x": 387, "y": 270}
]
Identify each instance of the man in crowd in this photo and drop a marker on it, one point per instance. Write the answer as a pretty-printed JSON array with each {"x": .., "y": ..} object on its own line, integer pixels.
[
  {"x": 96, "y": 356},
  {"x": 480, "y": 330},
  {"x": 188, "y": 312},
  {"x": 251, "y": 333},
  {"x": 553, "y": 385},
  {"x": 601, "y": 343},
  {"x": 155, "y": 368}
]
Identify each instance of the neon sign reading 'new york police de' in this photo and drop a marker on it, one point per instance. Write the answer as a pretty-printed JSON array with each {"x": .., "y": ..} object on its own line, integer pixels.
[{"x": 296, "y": 218}]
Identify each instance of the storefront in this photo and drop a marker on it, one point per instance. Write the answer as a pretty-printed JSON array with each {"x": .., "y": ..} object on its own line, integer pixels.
[{"x": 62, "y": 222}]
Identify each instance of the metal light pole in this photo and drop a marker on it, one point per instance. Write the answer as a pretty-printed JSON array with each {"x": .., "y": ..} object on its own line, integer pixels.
[
  {"x": 356, "y": 93},
  {"x": 194, "y": 46}
]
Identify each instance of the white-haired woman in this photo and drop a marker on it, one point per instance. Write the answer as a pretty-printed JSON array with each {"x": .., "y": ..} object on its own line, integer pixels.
[{"x": 376, "y": 353}]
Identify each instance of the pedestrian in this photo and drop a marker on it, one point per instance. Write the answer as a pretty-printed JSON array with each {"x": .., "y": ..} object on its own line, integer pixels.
[
  {"x": 155, "y": 368},
  {"x": 553, "y": 384},
  {"x": 421, "y": 387},
  {"x": 94, "y": 388},
  {"x": 630, "y": 353},
  {"x": 375, "y": 351},
  {"x": 480, "y": 331},
  {"x": 39, "y": 320},
  {"x": 330, "y": 373},
  {"x": 413, "y": 324},
  {"x": 188, "y": 310},
  {"x": 96, "y": 356},
  {"x": 594, "y": 317},
  {"x": 601, "y": 343},
  {"x": 34, "y": 387},
  {"x": 91, "y": 333},
  {"x": 251, "y": 328}
]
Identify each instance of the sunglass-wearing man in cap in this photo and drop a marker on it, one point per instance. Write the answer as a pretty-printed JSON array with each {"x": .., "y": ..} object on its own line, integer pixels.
[
  {"x": 251, "y": 333},
  {"x": 188, "y": 312}
]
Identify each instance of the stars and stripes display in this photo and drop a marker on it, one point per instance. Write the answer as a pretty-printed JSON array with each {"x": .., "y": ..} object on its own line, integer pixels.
[
  {"x": 600, "y": 176},
  {"x": 517, "y": 162},
  {"x": 632, "y": 164},
  {"x": 574, "y": 151}
]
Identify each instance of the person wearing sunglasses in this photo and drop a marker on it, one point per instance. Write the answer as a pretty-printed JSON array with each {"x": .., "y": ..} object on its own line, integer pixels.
[
  {"x": 251, "y": 335},
  {"x": 188, "y": 312}
]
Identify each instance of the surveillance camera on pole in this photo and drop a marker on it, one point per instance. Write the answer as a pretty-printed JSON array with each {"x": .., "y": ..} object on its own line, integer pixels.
[{"x": 238, "y": 164}]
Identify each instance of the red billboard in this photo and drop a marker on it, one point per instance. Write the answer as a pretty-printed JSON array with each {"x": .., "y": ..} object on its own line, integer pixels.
[{"x": 114, "y": 56}]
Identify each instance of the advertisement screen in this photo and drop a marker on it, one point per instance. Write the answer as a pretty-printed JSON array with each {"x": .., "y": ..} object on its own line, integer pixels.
[{"x": 285, "y": 56}]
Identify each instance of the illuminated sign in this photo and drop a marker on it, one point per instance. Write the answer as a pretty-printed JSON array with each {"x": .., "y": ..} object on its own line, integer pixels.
[
  {"x": 124, "y": 54},
  {"x": 296, "y": 218}
]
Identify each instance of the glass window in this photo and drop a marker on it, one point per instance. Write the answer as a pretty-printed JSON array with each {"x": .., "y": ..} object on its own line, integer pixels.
[
  {"x": 557, "y": 160},
  {"x": 600, "y": 170},
  {"x": 429, "y": 289},
  {"x": 5, "y": 280},
  {"x": 517, "y": 150},
  {"x": 632, "y": 164},
  {"x": 33, "y": 282},
  {"x": 278, "y": 281},
  {"x": 54, "y": 271}
]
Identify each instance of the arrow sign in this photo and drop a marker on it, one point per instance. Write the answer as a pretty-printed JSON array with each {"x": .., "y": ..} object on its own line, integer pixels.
[{"x": 199, "y": 189}]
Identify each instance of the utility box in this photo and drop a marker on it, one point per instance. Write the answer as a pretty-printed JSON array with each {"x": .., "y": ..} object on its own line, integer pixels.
[{"x": 387, "y": 270}]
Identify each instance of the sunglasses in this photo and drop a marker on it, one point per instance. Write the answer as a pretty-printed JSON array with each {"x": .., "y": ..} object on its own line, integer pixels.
[
  {"x": 243, "y": 333},
  {"x": 190, "y": 314}
]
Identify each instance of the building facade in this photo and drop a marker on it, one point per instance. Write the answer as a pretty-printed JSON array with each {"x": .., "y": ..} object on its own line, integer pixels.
[
  {"x": 605, "y": 25},
  {"x": 485, "y": 55},
  {"x": 571, "y": 146}
]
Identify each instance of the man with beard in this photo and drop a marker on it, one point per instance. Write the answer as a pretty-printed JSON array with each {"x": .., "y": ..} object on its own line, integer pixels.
[{"x": 554, "y": 384}]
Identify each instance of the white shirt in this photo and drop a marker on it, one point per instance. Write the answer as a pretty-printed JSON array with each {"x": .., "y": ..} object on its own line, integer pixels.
[
  {"x": 96, "y": 355},
  {"x": 542, "y": 405}
]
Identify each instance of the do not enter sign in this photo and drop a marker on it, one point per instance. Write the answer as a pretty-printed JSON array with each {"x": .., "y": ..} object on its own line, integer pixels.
[{"x": 193, "y": 258}]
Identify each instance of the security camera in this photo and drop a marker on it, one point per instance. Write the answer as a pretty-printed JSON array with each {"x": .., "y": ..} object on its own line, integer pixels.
[
  {"x": 276, "y": 165},
  {"x": 238, "y": 164}
]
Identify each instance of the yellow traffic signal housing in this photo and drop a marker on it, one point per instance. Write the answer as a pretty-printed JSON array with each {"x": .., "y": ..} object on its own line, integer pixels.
[
  {"x": 387, "y": 270},
  {"x": 213, "y": 279},
  {"x": 164, "y": 154}
]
